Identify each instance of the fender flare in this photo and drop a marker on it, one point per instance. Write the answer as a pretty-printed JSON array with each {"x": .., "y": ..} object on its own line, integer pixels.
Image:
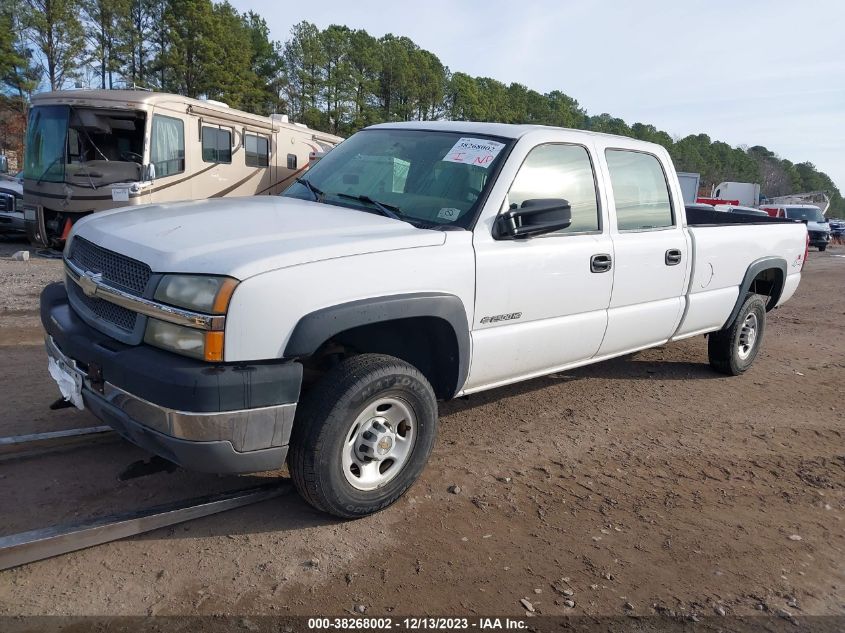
[
  {"x": 313, "y": 329},
  {"x": 754, "y": 269}
]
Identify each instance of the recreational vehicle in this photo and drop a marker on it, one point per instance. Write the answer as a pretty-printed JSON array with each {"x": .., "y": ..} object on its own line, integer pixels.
[{"x": 91, "y": 150}]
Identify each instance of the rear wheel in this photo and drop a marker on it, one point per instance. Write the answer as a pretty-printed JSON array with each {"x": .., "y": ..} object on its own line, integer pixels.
[
  {"x": 363, "y": 435},
  {"x": 733, "y": 349}
]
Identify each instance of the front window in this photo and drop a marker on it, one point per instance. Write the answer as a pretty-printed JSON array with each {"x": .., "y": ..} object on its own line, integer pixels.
[
  {"x": 560, "y": 171},
  {"x": 46, "y": 136},
  {"x": 810, "y": 214},
  {"x": 84, "y": 146},
  {"x": 426, "y": 177}
]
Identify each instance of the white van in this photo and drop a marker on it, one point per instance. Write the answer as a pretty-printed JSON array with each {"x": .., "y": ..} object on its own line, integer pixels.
[{"x": 818, "y": 226}]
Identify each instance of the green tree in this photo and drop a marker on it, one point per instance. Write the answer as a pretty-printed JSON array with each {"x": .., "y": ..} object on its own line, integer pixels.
[
  {"x": 463, "y": 101},
  {"x": 338, "y": 80},
  {"x": 365, "y": 68},
  {"x": 19, "y": 76},
  {"x": 187, "y": 55},
  {"x": 105, "y": 30},
  {"x": 56, "y": 32},
  {"x": 266, "y": 65},
  {"x": 303, "y": 56}
]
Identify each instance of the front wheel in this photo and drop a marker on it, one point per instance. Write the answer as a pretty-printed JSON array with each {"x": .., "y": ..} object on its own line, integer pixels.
[
  {"x": 363, "y": 435},
  {"x": 822, "y": 248},
  {"x": 733, "y": 349}
]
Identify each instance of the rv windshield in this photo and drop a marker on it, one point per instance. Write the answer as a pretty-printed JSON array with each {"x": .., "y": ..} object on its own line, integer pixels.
[
  {"x": 84, "y": 146},
  {"x": 46, "y": 134},
  {"x": 811, "y": 214},
  {"x": 423, "y": 177}
]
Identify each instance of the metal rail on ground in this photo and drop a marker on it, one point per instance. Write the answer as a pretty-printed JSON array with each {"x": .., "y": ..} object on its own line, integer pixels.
[
  {"x": 17, "y": 446},
  {"x": 27, "y": 547}
]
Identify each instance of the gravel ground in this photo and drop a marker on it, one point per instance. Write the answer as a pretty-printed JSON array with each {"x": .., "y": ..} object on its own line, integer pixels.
[{"x": 647, "y": 484}]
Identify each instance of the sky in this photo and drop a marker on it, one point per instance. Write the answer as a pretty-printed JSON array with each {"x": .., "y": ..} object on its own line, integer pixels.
[{"x": 751, "y": 72}]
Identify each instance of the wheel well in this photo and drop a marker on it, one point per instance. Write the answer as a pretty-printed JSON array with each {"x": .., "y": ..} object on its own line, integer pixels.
[
  {"x": 427, "y": 343},
  {"x": 768, "y": 282}
]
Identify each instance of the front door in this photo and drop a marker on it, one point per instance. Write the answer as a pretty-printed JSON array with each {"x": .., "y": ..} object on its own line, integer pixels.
[
  {"x": 651, "y": 254},
  {"x": 541, "y": 303}
]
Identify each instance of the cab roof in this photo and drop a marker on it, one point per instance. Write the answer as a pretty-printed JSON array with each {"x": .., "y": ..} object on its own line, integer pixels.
[{"x": 502, "y": 130}]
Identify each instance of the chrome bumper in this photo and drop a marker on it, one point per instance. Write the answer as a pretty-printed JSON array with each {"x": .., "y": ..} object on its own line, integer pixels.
[{"x": 246, "y": 430}]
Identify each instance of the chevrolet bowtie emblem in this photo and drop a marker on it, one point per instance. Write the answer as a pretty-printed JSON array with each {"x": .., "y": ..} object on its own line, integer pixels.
[{"x": 89, "y": 282}]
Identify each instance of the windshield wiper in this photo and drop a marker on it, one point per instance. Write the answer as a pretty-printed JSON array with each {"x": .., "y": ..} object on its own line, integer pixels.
[
  {"x": 317, "y": 193},
  {"x": 389, "y": 210},
  {"x": 49, "y": 167}
]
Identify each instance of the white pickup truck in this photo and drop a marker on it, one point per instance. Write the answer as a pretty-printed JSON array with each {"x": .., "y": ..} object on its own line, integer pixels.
[{"x": 415, "y": 262}]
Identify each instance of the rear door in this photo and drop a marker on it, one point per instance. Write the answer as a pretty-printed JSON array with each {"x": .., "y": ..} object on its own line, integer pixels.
[
  {"x": 539, "y": 304},
  {"x": 651, "y": 250}
]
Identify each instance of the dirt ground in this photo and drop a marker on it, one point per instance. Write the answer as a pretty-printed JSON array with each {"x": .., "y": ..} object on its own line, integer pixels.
[{"x": 647, "y": 484}]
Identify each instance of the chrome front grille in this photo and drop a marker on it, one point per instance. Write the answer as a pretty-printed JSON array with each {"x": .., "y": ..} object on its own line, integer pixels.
[
  {"x": 105, "y": 310},
  {"x": 117, "y": 270},
  {"x": 7, "y": 202}
]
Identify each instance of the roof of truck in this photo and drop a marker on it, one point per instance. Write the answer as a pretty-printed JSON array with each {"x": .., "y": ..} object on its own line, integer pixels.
[{"x": 502, "y": 130}]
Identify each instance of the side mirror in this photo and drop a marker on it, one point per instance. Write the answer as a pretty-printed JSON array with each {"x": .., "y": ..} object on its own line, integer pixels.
[
  {"x": 534, "y": 217},
  {"x": 148, "y": 172}
]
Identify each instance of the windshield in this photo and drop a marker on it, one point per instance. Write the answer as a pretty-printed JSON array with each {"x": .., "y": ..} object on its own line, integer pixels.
[
  {"x": 425, "y": 177},
  {"x": 811, "y": 214},
  {"x": 45, "y": 143},
  {"x": 85, "y": 147}
]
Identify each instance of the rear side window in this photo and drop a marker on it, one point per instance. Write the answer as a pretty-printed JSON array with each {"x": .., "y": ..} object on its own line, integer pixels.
[
  {"x": 257, "y": 150},
  {"x": 640, "y": 191},
  {"x": 560, "y": 171},
  {"x": 216, "y": 145}
]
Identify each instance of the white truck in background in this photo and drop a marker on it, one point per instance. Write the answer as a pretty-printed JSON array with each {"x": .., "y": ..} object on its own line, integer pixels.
[
  {"x": 746, "y": 194},
  {"x": 415, "y": 262}
]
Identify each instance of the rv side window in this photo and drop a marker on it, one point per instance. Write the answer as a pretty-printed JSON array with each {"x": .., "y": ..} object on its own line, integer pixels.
[
  {"x": 216, "y": 145},
  {"x": 167, "y": 151},
  {"x": 257, "y": 150}
]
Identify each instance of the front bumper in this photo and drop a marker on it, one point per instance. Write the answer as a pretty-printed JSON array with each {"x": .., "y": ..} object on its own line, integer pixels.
[
  {"x": 12, "y": 222},
  {"x": 211, "y": 418},
  {"x": 819, "y": 238}
]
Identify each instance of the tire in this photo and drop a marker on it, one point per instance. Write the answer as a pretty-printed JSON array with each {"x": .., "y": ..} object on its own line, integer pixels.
[
  {"x": 729, "y": 349},
  {"x": 822, "y": 248},
  {"x": 351, "y": 412}
]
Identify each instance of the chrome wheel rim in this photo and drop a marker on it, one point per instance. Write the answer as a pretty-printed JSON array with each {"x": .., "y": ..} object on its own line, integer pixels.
[
  {"x": 378, "y": 443},
  {"x": 747, "y": 336}
]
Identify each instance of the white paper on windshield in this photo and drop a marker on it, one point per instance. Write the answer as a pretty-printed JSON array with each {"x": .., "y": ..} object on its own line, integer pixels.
[
  {"x": 474, "y": 151},
  {"x": 120, "y": 194}
]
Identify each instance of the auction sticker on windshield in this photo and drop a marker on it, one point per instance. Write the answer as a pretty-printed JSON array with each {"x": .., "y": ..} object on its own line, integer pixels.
[{"x": 474, "y": 151}]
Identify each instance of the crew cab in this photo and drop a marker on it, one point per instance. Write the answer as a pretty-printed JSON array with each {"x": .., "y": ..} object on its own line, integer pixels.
[{"x": 415, "y": 262}]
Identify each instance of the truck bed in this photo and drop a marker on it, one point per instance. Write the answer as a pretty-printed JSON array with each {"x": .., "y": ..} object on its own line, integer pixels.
[{"x": 702, "y": 217}]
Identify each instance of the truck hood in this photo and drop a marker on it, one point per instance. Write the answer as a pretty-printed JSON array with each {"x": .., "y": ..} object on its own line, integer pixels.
[
  {"x": 818, "y": 226},
  {"x": 242, "y": 237}
]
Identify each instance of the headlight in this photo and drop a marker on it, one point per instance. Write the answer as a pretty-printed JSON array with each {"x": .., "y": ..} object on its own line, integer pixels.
[
  {"x": 200, "y": 293},
  {"x": 187, "y": 341}
]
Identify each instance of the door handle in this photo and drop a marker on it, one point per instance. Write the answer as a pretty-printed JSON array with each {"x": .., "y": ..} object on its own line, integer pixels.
[
  {"x": 601, "y": 263},
  {"x": 673, "y": 257}
]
